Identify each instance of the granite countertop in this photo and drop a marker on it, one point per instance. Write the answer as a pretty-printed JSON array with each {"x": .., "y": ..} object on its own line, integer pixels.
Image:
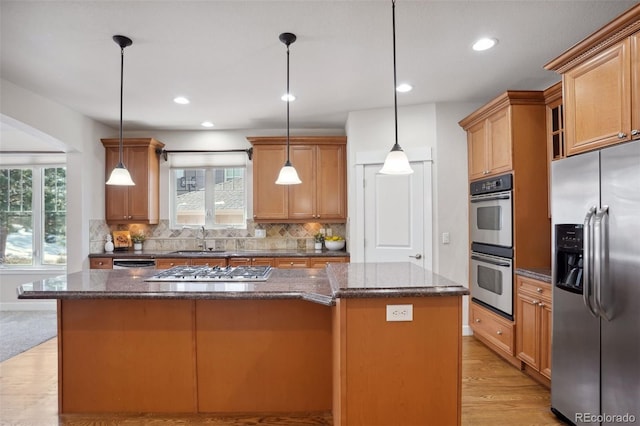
[
  {"x": 540, "y": 274},
  {"x": 157, "y": 254},
  {"x": 322, "y": 286}
]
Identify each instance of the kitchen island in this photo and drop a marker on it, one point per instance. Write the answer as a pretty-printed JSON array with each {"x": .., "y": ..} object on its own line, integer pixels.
[{"x": 305, "y": 340}]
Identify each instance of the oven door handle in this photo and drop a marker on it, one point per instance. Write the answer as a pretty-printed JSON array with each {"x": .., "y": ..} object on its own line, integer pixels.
[
  {"x": 493, "y": 262},
  {"x": 498, "y": 197}
]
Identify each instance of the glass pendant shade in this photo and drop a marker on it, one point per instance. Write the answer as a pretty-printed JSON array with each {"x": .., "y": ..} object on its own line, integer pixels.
[
  {"x": 288, "y": 175},
  {"x": 120, "y": 176},
  {"x": 396, "y": 163}
]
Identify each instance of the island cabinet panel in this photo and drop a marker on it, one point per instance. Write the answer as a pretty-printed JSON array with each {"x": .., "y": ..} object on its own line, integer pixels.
[
  {"x": 108, "y": 365},
  {"x": 263, "y": 356},
  {"x": 385, "y": 372}
]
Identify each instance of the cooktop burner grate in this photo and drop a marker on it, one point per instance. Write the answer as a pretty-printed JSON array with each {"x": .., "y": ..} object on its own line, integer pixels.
[{"x": 215, "y": 273}]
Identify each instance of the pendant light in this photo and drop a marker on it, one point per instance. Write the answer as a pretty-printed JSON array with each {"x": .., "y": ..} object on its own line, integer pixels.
[
  {"x": 288, "y": 174},
  {"x": 120, "y": 175},
  {"x": 396, "y": 162}
]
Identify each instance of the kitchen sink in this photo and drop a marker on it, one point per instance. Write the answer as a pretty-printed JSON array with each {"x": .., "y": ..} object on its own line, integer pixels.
[{"x": 196, "y": 252}]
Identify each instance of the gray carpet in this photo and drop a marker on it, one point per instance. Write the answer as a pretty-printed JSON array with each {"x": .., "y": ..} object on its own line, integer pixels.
[{"x": 22, "y": 330}]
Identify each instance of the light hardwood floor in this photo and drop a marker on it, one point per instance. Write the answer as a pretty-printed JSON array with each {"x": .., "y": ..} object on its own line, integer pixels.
[{"x": 493, "y": 393}]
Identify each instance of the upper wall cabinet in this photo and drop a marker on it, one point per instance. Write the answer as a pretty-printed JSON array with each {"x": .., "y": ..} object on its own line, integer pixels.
[
  {"x": 503, "y": 132},
  {"x": 601, "y": 81},
  {"x": 321, "y": 164},
  {"x": 139, "y": 203}
]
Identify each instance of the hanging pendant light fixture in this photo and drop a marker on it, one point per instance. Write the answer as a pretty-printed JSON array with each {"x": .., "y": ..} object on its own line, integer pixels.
[
  {"x": 396, "y": 162},
  {"x": 288, "y": 174},
  {"x": 120, "y": 175}
]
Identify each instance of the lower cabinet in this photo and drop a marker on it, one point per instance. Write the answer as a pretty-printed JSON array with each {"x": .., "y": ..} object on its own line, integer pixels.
[
  {"x": 494, "y": 330},
  {"x": 291, "y": 262},
  {"x": 321, "y": 262},
  {"x": 251, "y": 261},
  {"x": 170, "y": 262},
  {"x": 101, "y": 263},
  {"x": 533, "y": 324}
]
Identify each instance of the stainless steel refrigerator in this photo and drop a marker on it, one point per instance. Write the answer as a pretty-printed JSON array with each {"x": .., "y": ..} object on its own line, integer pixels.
[{"x": 596, "y": 293}]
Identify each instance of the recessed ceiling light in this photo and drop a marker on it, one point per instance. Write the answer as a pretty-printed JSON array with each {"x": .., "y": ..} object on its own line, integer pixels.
[
  {"x": 207, "y": 124},
  {"x": 484, "y": 44},
  {"x": 404, "y": 87},
  {"x": 181, "y": 100},
  {"x": 288, "y": 97}
]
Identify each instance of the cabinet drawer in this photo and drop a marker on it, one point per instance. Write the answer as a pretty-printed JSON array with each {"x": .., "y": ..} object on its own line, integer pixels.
[
  {"x": 210, "y": 261},
  {"x": 171, "y": 262},
  {"x": 292, "y": 262},
  {"x": 494, "y": 328},
  {"x": 540, "y": 289},
  {"x": 321, "y": 262},
  {"x": 101, "y": 263}
]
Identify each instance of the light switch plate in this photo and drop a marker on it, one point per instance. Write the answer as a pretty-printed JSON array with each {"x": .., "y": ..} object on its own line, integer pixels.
[
  {"x": 261, "y": 233},
  {"x": 399, "y": 312}
]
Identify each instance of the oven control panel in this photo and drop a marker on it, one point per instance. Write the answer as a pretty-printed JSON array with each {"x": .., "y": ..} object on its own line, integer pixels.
[{"x": 493, "y": 184}]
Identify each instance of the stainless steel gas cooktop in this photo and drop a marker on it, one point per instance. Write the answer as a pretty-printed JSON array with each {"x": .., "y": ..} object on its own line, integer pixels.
[{"x": 215, "y": 273}]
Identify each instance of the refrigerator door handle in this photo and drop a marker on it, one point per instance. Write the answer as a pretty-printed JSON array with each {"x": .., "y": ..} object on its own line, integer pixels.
[
  {"x": 587, "y": 257},
  {"x": 601, "y": 258}
]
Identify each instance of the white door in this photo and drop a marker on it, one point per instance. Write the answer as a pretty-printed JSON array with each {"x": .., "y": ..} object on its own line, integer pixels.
[{"x": 394, "y": 216}]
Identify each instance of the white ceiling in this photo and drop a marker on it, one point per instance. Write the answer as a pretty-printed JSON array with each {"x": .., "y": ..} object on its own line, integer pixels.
[{"x": 226, "y": 57}]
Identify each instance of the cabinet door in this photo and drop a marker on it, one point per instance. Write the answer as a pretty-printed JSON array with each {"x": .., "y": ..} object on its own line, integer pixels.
[
  {"x": 499, "y": 142},
  {"x": 137, "y": 161},
  {"x": 598, "y": 100},
  {"x": 269, "y": 200},
  {"x": 331, "y": 182},
  {"x": 239, "y": 261},
  {"x": 476, "y": 144},
  {"x": 321, "y": 262},
  {"x": 527, "y": 332},
  {"x": 262, "y": 261},
  {"x": 302, "y": 197},
  {"x": 545, "y": 338},
  {"x": 101, "y": 263},
  {"x": 116, "y": 197}
]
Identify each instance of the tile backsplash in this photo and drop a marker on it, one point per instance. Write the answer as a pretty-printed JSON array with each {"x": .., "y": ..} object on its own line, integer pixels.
[{"x": 160, "y": 237}]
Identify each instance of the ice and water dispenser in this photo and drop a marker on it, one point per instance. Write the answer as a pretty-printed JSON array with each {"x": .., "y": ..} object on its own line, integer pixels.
[{"x": 569, "y": 260}]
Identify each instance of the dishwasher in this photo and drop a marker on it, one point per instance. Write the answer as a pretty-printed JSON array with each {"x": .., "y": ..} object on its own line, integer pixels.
[{"x": 134, "y": 263}]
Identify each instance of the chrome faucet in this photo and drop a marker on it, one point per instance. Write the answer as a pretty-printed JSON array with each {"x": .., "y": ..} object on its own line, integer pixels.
[{"x": 203, "y": 244}]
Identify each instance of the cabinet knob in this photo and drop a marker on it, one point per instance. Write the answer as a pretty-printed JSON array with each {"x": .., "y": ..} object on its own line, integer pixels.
[
  {"x": 539, "y": 290},
  {"x": 499, "y": 332},
  {"x": 291, "y": 263},
  {"x": 535, "y": 302},
  {"x": 477, "y": 319},
  {"x": 541, "y": 304},
  {"x": 622, "y": 135},
  {"x": 100, "y": 263},
  {"x": 635, "y": 132}
]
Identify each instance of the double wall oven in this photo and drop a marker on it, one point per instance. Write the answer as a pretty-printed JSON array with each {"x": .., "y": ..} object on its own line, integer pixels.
[{"x": 491, "y": 228}]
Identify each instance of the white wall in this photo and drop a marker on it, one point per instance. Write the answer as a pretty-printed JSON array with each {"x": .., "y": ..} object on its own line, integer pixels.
[{"x": 434, "y": 126}]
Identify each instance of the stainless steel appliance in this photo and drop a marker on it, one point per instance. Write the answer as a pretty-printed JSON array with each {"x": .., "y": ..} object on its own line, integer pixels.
[
  {"x": 134, "y": 263},
  {"x": 492, "y": 278},
  {"x": 596, "y": 318},
  {"x": 491, "y": 211},
  {"x": 215, "y": 273}
]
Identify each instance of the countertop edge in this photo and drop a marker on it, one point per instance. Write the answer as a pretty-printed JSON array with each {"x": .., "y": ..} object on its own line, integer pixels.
[
  {"x": 219, "y": 255},
  {"x": 540, "y": 274}
]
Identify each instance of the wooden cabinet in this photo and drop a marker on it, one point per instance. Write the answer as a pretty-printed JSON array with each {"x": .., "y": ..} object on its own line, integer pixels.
[
  {"x": 492, "y": 329},
  {"x": 321, "y": 164},
  {"x": 601, "y": 83},
  {"x": 555, "y": 122},
  {"x": 138, "y": 203},
  {"x": 251, "y": 261},
  {"x": 504, "y": 133},
  {"x": 321, "y": 262},
  {"x": 101, "y": 263},
  {"x": 533, "y": 324},
  {"x": 291, "y": 262},
  {"x": 170, "y": 262}
]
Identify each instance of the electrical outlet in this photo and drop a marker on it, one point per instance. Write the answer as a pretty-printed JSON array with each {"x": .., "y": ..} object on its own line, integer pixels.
[
  {"x": 399, "y": 312},
  {"x": 445, "y": 238},
  {"x": 329, "y": 232},
  {"x": 323, "y": 231}
]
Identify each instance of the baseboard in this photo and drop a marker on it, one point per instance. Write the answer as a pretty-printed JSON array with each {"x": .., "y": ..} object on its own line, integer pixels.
[
  {"x": 467, "y": 331},
  {"x": 42, "y": 305}
]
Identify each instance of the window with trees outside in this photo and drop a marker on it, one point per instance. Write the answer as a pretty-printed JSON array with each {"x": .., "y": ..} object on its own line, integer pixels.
[
  {"x": 214, "y": 197},
  {"x": 33, "y": 212}
]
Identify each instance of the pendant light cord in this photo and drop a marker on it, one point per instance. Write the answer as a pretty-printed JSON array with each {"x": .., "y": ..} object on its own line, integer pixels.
[
  {"x": 395, "y": 84},
  {"x": 288, "y": 102},
  {"x": 121, "y": 95}
]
